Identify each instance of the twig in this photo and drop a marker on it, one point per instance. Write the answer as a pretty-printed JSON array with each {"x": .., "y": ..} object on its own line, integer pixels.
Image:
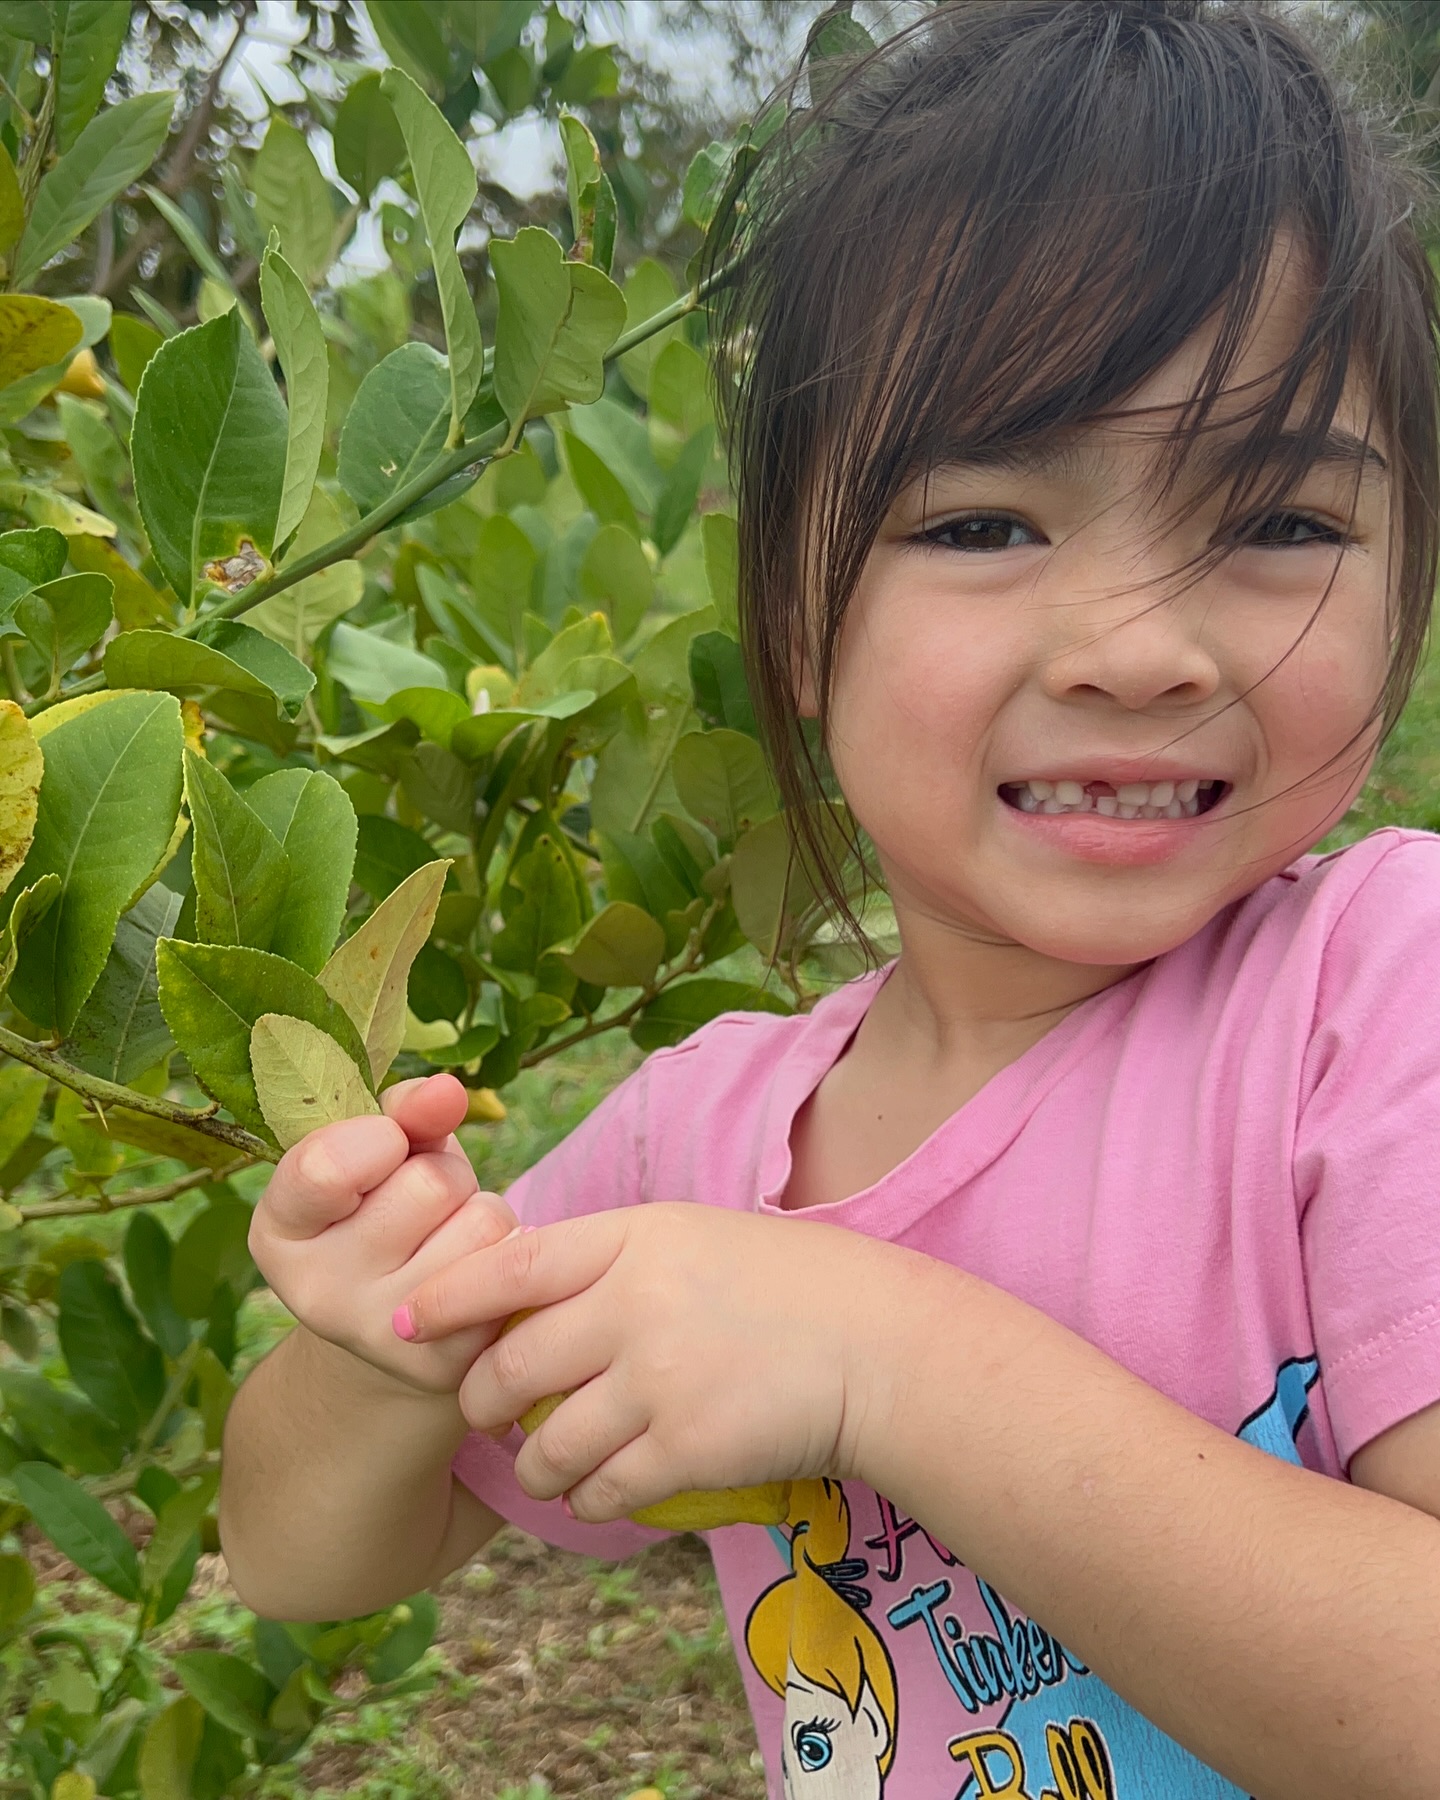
[
  {"x": 77, "y": 1207},
  {"x": 110, "y": 1093}
]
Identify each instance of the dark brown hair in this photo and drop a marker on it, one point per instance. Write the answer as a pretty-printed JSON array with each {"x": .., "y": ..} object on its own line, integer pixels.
[{"x": 996, "y": 226}]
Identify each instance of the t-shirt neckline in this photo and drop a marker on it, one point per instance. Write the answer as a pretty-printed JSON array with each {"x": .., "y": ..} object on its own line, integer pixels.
[{"x": 958, "y": 1149}]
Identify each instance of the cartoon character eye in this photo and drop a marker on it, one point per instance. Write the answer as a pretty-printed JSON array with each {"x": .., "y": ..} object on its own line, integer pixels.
[{"x": 813, "y": 1745}]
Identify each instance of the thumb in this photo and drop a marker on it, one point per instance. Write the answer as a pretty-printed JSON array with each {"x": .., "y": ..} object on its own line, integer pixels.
[{"x": 427, "y": 1109}]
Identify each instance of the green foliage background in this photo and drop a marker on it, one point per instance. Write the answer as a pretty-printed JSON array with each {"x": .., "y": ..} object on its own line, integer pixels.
[{"x": 375, "y": 706}]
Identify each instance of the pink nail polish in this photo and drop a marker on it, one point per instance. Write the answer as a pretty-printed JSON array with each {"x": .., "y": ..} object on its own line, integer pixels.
[
  {"x": 524, "y": 1229},
  {"x": 402, "y": 1323},
  {"x": 568, "y": 1509}
]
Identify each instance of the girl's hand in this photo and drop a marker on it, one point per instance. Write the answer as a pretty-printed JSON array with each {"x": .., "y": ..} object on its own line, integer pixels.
[
  {"x": 359, "y": 1212},
  {"x": 700, "y": 1349}
]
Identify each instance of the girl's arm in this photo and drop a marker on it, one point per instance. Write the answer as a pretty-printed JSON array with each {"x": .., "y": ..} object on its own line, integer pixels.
[{"x": 1279, "y": 1624}]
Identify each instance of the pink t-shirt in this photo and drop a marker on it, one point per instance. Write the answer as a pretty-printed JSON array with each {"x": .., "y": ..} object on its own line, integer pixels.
[{"x": 1224, "y": 1172}]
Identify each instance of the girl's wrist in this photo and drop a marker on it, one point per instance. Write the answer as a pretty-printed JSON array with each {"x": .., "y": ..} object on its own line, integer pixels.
[{"x": 350, "y": 1378}]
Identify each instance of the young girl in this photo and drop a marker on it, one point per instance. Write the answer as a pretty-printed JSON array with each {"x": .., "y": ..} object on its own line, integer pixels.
[{"x": 1081, "y": 1269}]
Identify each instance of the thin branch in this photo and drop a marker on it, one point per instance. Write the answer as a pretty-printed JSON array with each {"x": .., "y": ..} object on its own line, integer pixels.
[
  {"x": 111, "y": 1093},
  {"x": 77, "y": 1206}
]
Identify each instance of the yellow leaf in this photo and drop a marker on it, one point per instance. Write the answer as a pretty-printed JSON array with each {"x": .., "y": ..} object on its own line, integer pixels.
[
  {"x": 34, "y": 333},
  {"x": 303, "y": 1079},
  {"x": 368, "y": 974},
  {"x": 21, "y": 766},
  {"x": 484, "y": 1107},
  {"x": 82, "y": 378}
]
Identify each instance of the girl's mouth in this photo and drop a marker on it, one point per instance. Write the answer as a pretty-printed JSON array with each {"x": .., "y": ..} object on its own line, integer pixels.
[{"x": 1130, "y": 800}]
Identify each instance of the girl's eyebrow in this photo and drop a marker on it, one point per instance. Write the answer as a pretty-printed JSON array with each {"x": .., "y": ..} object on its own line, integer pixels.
[{"x": 1076, "y": 458}]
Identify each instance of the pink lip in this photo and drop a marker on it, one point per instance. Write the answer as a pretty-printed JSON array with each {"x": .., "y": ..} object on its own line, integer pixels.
[{"x": 1091, "y": 837}]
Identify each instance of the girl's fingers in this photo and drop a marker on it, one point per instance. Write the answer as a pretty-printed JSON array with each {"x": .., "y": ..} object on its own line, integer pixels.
[
  {"x": 482, "y": 1221},
  {"x": 407, "y": 1207},
  {"x": 556, "y": 1352},
  {"x": 427, "y": 1110},
  {"x": 534, "y": 1268},
  {"x": 635, "y": 1475},
  {"x": 323, "y": 1179},
  {"x": 591, "y": 1426}
]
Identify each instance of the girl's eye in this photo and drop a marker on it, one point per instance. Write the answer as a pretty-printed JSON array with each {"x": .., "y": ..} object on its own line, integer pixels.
[
  {"x": 981, "y": 531},
  {"x": 1285, "y": 530},
  {"x": 813, "y": 1746}
]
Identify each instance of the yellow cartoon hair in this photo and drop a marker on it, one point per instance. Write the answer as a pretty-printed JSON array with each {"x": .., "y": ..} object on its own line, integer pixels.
[{"x": 804, "y": 1621}]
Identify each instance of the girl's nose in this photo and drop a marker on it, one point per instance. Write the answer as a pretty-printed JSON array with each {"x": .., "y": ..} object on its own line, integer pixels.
[{"x": 1134, "y": 651}]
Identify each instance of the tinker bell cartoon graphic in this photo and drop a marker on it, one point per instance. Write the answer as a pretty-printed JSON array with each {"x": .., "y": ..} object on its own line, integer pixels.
[{"x": 811, "y": 1642}]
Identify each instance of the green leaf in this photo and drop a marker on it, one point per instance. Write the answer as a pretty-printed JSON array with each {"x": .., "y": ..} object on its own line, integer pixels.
[
  {"x": 101, "y": 460},
  {"x": 838, "y": 42},
  {"x": 61, "y": 1423},
  {"x": 620, "y": 947},
  {"x": 386, "y": 852},
  {"x": 132, "y": 343},
  {"x": 717, "y": 678},
  {"x": 79, "y": 1527},
  {"x": 680, "y": 390},
  {"x": 684, "y": 1006},
  {"x": 226, "y": 658},
  {"x": 540, "y": 906},
  {"x": 12, "y": 204},
  {"x": 704, "y": 183},
  {"x": 501, "y": 572},
  {"x": 28, "y": 559},
  {"x": 61, "y": 620},
  {"x": 17, "y": 1590},
  {"x": 208, "y": 446},
  {"x": 722, "y": 781},
  {"x": 213, "y": 1253},
  {"x": 34, "y": 333},
  {"x": 168, "y": 1751},
  {"x": 557, "y": 319},
  {"x": 445, "y": 186},
  {"x": 300, "y": 345},
  {"x": 112, "y": 151},
  {"x": 396, "y": 426},
  {"x": 21, "y": 768},
  {"x": 211, "y": 996},
  {"x": 368, "y": 975},
  {"x": 94, "y": 1155},
  {"x": 297, "y": 616},
  {"x": 410, "y": 37},
  {"x": 649, "y": 289},
  {"x": 677, "y": 499},
  {"x": 437, "y": 987},
  {"x": 240, "y": 870},
  {"x": 313, "y": 819},
  {"x": 109, "y": 1358},
  {"x": 21, "y": 1091},
  {"x": 601, "y": 490},
  {"x": 108, "y": 804},
  {"x": 303, "y": 1079},
  {"x": 293, "y": 198},
  {"x": 592, "y": 199},
  {"x": 29, "y": 907},
  {"x": 88, "y": 42},
  {"x": 230, "y": 1689},
  {"x": 176, "y": 1524},
  {"x": 148, "y": 1256},
  {"x": 722, "y": 568},
  {"x": 437, "y": 711},
  {"x": 616, "y": 577},
  {"x": 369, "y": 145},
  {"x": 373, "y": 668}
]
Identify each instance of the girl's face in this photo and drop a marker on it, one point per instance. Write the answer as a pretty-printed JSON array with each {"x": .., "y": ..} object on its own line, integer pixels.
[{"x": 1050, "y": 745}]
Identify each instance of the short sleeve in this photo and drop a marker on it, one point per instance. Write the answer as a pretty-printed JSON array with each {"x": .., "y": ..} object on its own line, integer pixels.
[
  {"x": 600, "y": 1165},
  {"x": 1368, "y": 1150}
]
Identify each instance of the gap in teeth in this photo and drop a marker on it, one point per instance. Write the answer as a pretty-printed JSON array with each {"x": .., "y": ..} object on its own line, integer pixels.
[{"x": 1130, "y": 800}]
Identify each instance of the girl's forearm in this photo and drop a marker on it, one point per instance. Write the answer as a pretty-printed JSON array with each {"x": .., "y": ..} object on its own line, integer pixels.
[
  {"x": 1279, "y": 1624},
  {"x": 337, "y": 1496}
]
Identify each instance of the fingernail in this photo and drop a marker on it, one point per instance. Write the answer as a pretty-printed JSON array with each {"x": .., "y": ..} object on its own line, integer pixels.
[
  {"x": 402, "y": 1323},
  {"x": 568, "y": 1509},
  {"x": 527, "y": 1228}
]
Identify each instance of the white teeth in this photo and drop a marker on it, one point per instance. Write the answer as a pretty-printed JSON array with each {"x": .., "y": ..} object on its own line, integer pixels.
[{"x": 1128, "y": 800}]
